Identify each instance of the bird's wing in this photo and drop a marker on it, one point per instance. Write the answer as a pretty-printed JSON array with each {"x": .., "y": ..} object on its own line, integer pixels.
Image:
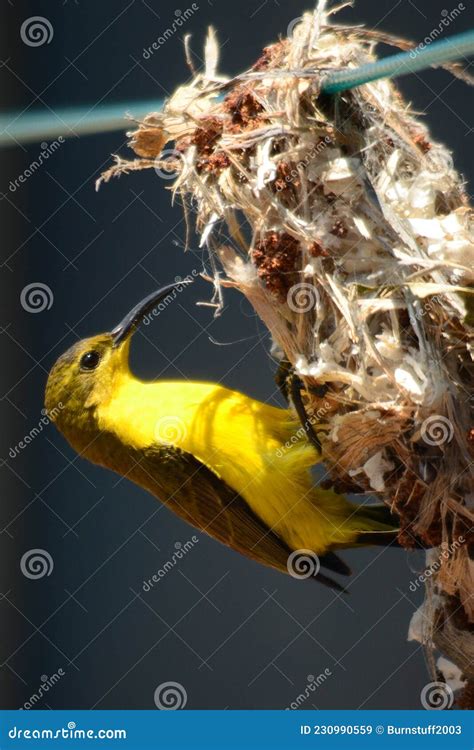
[
  {"x": 196, "y": 494},
  {"x": 208, "y": 503}
]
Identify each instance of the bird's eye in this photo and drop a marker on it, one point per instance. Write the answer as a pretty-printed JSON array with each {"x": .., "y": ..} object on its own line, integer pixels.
[{"x": 90, "y": 360}]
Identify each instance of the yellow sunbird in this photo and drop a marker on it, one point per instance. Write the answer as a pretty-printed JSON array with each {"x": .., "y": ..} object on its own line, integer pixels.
[{"x": 224, "y": 462}]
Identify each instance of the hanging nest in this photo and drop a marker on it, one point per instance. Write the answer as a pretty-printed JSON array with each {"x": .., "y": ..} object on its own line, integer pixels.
[{"x": 348, "y": 229}]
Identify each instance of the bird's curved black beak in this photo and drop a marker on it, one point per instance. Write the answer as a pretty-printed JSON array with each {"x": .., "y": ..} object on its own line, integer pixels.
[{"x": 129, "y": 323}]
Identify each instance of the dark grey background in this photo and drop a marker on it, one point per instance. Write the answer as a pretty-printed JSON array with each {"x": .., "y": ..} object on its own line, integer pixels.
[{"x": 232, "y": 633}]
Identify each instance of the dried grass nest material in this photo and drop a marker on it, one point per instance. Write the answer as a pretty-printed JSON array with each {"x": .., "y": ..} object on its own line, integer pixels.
[{"x": 349, "y": 230}]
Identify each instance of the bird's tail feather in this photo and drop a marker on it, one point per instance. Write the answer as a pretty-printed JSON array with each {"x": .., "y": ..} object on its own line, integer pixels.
[
  {"x": 383, "y": 524},
  {"x": 380, "y": 513}
]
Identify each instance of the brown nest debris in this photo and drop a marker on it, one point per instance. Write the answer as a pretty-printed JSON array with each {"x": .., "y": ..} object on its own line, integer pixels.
[{"x": 350, "y": 232}]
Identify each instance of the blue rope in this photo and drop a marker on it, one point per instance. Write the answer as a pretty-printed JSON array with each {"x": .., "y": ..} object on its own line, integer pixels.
[
  {"x": 30, "y": 126},
  {"x": 419, "y": 58}
]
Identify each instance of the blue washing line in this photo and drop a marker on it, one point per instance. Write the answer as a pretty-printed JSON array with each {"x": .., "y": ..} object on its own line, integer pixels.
[{"x": 32, "y": 126}]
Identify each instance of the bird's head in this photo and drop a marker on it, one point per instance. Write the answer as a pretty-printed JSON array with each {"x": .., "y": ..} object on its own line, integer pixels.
[{"x": 85, "y": 376}]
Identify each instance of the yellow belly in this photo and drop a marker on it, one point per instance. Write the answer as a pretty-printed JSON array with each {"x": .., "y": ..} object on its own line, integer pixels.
[{"x": 257, "y": 449}]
